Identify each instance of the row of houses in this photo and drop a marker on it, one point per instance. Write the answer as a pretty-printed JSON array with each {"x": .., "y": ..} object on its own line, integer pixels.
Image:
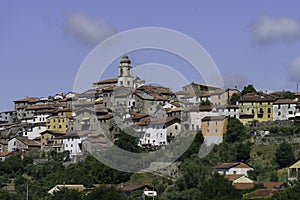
[{"x": 156, "y": 113}]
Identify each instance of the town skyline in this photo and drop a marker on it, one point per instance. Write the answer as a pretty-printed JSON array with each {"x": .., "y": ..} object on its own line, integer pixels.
[{"x": 52, "y": 45}]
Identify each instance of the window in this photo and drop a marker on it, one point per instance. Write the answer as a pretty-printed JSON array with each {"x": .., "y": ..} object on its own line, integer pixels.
[
  {"x": 207, "y": 123},
  {"x": 71, "y": 145},
  {"x": 161, "y": 135},
  {"x": 278, "y": 106},
  {"x": 290, "y": 112},
  {"x": 219, "y": 96},
  {"x": 279, "y": 113},
  {"x": 289, "y": 106},
  {"x": 176, "y": 127},
  {"x": 207, "y": 130},
  {"x": 128, "y": 82},
  {"x": 216, "y": 123},
  {"x": 216, "y": 130},
  {"x": 269, "y": 110}
]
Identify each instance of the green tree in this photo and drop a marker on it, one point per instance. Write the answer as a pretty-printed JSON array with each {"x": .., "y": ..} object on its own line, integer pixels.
[
  {"x": 284, "y": 155},
  {"x": 242, "y": 151},
  {"x": 105, "y": 193},
  {"x": 234, "y": 98},
  {"x": 217, "y": 187},
  {"x": 67, "y": 194},
  {"x": 206, "y": 102},
  {"x": 235, "y": 131},
  {"x": 128, "y": 141},
  {"x": 194, "y": 147},
  {"x": 4, "y": 194},
  {"x": 248, "y": 89}
]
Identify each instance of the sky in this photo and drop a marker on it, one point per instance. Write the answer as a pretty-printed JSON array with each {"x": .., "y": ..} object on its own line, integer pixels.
[{"x": 44, "y": 43}]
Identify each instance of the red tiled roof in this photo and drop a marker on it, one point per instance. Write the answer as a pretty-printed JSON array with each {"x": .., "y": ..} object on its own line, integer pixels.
[{"x": 107, "y": 81}]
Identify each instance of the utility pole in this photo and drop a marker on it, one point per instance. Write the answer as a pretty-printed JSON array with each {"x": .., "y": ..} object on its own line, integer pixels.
[{"x": 27, "y": 196}]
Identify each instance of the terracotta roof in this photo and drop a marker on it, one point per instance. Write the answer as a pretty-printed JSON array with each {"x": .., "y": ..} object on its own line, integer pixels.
[
  {"x": 232, "y": 177},
  {"x": 129, "y": 188},
  {"x": 251, "y": 97},
  {"x": 204, "y": 85},
  {"x": 274, "y": 185},
  {"x": 243, "y": 186},
  {"x": 108, "y": 116},
  {"x": 107, "y": 81},
  {"x": 28, "y": 142},
  {"x": 27, "y": 99},
  {"x": 5, "y": 153},
  {"x": 285, "y": 101},
  {"x": 156, "y": 121}
]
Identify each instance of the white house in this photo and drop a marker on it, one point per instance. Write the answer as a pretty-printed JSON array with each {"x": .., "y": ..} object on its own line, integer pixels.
[
  {"x": 233, "y": 168},
  {"x": 72, "y": 142},
  {"x": 34, "y": 130},
  {"x": 228, "y": 111},
  {"x": 283, "y": 109},
  {"x": 196, "y": 114},
  {"x": 23, "y": 144},
  {"x": 155, "y": 132}
]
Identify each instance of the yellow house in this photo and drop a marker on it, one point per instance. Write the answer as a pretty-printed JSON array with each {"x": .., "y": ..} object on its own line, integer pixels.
[
  {"x": 60, "y": 121},
  {"x": 256, "y": 107}
]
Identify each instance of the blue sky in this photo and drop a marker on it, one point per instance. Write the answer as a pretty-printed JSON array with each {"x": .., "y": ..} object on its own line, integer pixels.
[{"x": 43, "y": 43}]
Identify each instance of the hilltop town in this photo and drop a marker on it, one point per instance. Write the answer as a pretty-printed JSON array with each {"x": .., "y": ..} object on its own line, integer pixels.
[{"x": 68, "y": 124}]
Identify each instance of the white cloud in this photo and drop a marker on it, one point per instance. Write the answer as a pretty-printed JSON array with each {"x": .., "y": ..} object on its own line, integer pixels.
[
  {"x": 294, "y": 69},
  {"x": 86, "y": 30},
  {"x": 267, "y": 30}
]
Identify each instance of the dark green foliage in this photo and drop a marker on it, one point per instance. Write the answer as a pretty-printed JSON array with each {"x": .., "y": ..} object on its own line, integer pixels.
[
  {"x": 284, "y": 155},
  {"x": 194, "y": 147},
  {"x": 218, "y": 187},
  {"x": 206, "y": 102},
  {"x": 248, "y": 89},
  {"x": 12, "y": 165},
  {"x": 291, "y": 193},
  {"x": 5, "y": 195},
  {"x": 67, "y": 194},
  {"x": 105, "y": 193},
  {"x": 214, "y": 188},
  {"x": 287, "y": 95},
  {"x": 128, "y": 142},
  {"x": 234, "y": 98},
  {"x": 235, "y": 131}
]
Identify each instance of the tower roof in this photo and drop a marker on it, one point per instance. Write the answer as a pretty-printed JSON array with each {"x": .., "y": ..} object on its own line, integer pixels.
[{"x": 125, "y": 59}]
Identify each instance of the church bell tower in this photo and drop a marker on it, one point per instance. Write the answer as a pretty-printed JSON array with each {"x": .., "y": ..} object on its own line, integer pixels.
[{"x": 125, "y": 77}]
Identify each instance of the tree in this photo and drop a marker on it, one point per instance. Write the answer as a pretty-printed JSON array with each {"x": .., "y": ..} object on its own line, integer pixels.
[
  {"x": 206, "y": 102},
  {"x": 194, "y": 147},
  {"x": 66, "y": 194},
  {"x": 242, "y": 151},
  {"x": 128, "y": 141},
  {"x": 248, "y": 89},
  {"x": 235, "y": 131},
  {"x": 217, "y": 187},
  {"x": 105, "y": 193},
  {"x": 234, "y": 98},
  {"x": 284, "y": 155},
  {"x": 4, "y": 194}
]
